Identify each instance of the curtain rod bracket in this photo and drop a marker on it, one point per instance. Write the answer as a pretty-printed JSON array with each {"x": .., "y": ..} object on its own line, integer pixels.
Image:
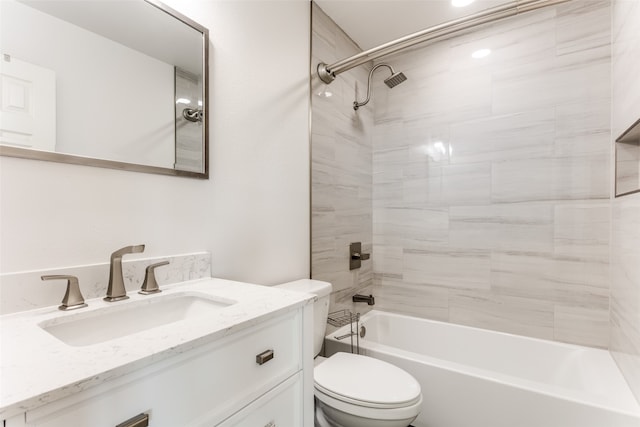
[{"x": 325, "y": 74}]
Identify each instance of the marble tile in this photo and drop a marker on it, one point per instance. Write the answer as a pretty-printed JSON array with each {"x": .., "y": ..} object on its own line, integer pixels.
[
  {"x": 466, "y": 184},
  {"x": 489, "y": 179},
  {"x": 576, "y": 77},
  {"x": 455, "y": 269},
  {"x": 583, "y": 129},
  {"x": 626, "y": 47},
  {"x": 324, "y": 31},
  {"x": 625, "y": 235},
  {"x": 625, "y": 288},
  {"x": 568, "y": 281},
  {"x": 546, "y": 179},
  {"x": 524, "y": 227},
  {"x": 388, "y": 261},
  {"x": 341, "y": 168},
  {"x": 517, "y": 41},
  {"x": 502, "y": 313},
  {"x": 579, "y": 325},
  {"x": 582, "y": 230},
  {"x": 504, "y": 137},
  {"x": 625, "y": 347},
  {"x": 583, "y": 25},
  {"x": 411, "y": 227},
  {"x": 414, "y": 300}
]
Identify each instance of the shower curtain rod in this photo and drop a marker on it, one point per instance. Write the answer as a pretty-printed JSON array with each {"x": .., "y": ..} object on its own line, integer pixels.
[{"x": 328, "y": 73}]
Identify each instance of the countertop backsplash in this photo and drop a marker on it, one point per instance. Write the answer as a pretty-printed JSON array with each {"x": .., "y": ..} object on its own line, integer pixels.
[{"x": 26, "y": 291}]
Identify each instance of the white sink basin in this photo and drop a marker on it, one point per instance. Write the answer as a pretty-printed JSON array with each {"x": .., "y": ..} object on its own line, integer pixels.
[{"x": 130, "y": 317}]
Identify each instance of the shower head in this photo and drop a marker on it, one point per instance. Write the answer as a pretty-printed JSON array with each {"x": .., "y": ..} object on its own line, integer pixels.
[
  {"x": 395, "y": 79},
  {"x": 392, "y": 81}
]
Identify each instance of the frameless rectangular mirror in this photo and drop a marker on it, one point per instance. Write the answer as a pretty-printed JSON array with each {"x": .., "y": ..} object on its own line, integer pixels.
[
  {"x": 628, "y": 161},
  {"x": 117, "y": 84}
]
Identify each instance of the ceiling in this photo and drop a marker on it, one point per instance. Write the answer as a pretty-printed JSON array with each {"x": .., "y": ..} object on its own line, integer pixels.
[{"x": 373, "y": 22}]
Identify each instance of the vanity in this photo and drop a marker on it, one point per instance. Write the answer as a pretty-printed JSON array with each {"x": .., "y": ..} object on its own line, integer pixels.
[{"x": 205, "y": 352}]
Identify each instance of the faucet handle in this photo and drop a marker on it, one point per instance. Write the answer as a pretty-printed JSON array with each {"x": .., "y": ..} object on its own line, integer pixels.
[
  {"x": 73, "y": 298},
  {"x": 150, "y": 285}
]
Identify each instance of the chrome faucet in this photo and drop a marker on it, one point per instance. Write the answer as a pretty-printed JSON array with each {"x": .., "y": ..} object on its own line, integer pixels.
[
  {"x": 116, "y": 290},
  {"x": 364, "y": 298},
  {"x": 72, "y": 297}
]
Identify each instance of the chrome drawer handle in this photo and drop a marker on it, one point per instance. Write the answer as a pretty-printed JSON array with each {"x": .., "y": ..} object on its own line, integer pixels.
[
  {"x": 264, "y": 357},
  {"x": 270, "y": 424}
]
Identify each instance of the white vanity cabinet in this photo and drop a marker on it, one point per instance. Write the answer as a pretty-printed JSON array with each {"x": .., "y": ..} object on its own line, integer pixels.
[{"x": 217, "y": 384}]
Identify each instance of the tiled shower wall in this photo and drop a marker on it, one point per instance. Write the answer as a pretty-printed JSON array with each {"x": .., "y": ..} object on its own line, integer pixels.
[
  {"x": 491, "y": 178},
  {"x": 341, "y": 166},
  {"x": 625, "y": 243}
]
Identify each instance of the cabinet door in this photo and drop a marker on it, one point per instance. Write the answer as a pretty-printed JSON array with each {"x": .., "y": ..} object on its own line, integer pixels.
[
  {"x": 207, "y": 383},
  {"x": 281, "y": 407}
]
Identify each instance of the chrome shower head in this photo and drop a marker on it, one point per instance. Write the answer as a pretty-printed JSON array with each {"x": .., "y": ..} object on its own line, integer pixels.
[
  {"x": 392, "y": 81},
  {"x": 395, "y": 79}
]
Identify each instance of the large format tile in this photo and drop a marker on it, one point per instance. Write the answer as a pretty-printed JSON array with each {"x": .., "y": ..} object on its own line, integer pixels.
[
  {"x": 625, "y": 249},
  {"x": 502, "y": 313},
  {"x": 488, "y": 180},
  {"x": 396, "y": 295},
  {"x": 523, "y": 227},
  {"x": 578, "y": 325},
  {"x": 582, "y": 230},
  {"x": 455, "y": 269},
  {"x": 544, "y": 179}
]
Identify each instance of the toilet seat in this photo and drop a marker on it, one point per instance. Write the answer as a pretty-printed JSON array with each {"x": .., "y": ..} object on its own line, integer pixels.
[
  {"x": 381, "y": 414},
  {"x": 366, "y": 387}
]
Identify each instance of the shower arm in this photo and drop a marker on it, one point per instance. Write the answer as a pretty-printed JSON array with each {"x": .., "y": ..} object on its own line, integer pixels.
[
  {"x": 328, "y": 73},
  {"x": 357, "y": 104}
]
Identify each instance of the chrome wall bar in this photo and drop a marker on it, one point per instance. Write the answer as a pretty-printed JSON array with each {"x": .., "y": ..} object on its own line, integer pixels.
[{"x": 328, "y": 73}]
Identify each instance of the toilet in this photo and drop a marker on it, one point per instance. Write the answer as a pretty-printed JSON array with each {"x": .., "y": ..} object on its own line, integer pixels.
[{"x": 353, "y": 390}]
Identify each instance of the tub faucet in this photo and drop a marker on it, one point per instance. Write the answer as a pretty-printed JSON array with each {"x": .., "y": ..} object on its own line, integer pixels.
[
  {"x": 116, "y": 290},
  {"x": 363, "y": 298}
]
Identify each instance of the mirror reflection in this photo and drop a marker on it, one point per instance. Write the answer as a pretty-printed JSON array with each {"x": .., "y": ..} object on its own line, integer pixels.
[{"x": 120, "y": 81}]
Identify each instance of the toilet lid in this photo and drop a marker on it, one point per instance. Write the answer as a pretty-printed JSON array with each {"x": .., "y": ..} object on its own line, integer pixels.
[{"x": 365, "y": 380}]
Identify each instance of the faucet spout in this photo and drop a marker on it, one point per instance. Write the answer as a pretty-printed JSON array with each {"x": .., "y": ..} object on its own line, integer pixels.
[
  {"x": 116, "y": 290},
  {"x": 370, "y": 300}
]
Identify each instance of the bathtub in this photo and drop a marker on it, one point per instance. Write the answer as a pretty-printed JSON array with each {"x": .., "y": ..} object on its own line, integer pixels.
[{"x": 478, "y": 378}]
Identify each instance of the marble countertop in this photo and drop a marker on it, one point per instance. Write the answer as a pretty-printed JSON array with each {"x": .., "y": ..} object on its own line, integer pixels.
[{"x": 36, "y": 368}]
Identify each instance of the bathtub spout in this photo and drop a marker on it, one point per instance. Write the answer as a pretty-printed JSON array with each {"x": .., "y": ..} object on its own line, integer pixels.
[{"x": 363, "y": 298}]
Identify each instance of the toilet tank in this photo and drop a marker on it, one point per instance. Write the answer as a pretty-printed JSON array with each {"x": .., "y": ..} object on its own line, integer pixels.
[{"x": 322, "y": 290}]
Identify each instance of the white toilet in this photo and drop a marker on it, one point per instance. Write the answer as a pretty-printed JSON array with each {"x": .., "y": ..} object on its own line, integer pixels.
[{"x": 352, "y": 390}]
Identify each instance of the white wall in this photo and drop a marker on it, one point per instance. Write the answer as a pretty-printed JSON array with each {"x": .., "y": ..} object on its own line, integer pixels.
[{"x": 253, "y": 213}]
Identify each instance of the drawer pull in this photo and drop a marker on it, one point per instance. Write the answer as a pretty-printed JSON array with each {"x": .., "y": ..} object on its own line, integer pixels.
[
  {"x": 264, "y": 357},
  {"x": 141, "y": 420},
  {"x": 270, "y": 424}
]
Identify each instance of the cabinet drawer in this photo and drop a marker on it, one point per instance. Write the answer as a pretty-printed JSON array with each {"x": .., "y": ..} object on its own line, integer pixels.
[
  {"x": 210, "y": 383},
  {"x": 281, "y": 407}
]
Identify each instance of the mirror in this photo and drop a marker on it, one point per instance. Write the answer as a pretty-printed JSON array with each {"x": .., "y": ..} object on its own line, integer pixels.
[
  {"x": 628, "y": 161},
  {"x": 117, "y": 84}
]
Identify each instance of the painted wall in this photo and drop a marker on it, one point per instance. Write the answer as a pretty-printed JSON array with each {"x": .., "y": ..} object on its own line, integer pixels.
[
  {"x": 491, "y": 178},
  {"x": 252, "y": 214},
  {"x": 341, "y": 167},
  {"x": 625, "y": 243}
]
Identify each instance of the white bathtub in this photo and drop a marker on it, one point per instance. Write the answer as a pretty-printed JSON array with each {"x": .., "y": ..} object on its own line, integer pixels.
[{"x": 478, "y": 378}]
